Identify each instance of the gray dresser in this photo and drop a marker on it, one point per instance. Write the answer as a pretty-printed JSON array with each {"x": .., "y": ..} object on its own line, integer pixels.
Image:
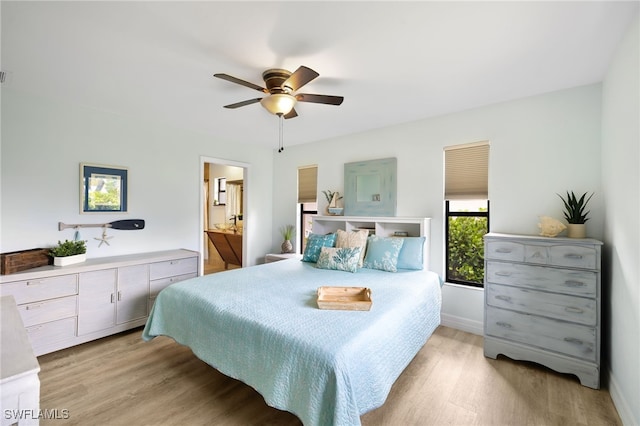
[{"x": 542, "y": 302}]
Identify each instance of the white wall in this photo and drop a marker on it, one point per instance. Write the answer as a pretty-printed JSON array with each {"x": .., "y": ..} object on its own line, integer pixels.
[
  {"x": 540, "y": 146},
  {"x": 43, "y": 143},
  {"x": 621, "y": 183}
]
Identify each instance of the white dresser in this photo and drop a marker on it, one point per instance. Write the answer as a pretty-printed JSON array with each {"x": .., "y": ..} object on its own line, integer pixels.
[
  {"x": 542, "y": 302},
  {"x": 69, "y": 305}
]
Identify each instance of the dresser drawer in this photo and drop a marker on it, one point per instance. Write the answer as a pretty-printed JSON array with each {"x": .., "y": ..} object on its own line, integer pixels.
[
  {"x": 566, "y": 308},
  {"x": 41, "y": 289},
  {"x": 557, "y": 336},
  {"x": 573, "y": 256},
  {"x": 48, "y": 310},
  {"x": 51, "y": 334},
  {"x": 505, "y": 250},
  {"x": 566, "y": 281},
  {"x": 157, "y": 285},
  {"x": 173, "y": 267}
]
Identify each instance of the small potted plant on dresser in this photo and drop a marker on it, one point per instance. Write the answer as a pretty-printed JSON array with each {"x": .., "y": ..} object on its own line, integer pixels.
[
  {"x": 69, "y": 252},
  {"x": 575, "y": 214},
  {"x": 287, "y": 232}
]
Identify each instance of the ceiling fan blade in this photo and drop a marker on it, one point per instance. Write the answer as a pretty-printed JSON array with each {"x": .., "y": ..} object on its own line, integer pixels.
[
  {"x": 319, "y": 99},
  {"x": 291, "y": 114},
  {"x": 299, "y": 78},
  {"x": 241, "y": 82},
  {"x": 243, "y": 103}
]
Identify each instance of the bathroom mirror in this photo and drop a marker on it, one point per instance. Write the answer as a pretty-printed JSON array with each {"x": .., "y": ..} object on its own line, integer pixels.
[{"x": 370, "y": 188}]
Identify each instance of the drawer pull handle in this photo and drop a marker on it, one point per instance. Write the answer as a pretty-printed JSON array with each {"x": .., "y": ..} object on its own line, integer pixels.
[
  {"x": 573, "y": 256},
  {"x": 35, "y": 282},
  {"x": 573, "y": 283},
  {"x": 30, "y": 307},
  {"x": 573, "y": 309},
  {"x": 505, "y": 298},
  {"x": 503, "y": 274},
  {"x": 34, "y": 329},
  {"x": 503, "y": 324},
  {"x": 503, "y": 250},
  {"x": 573, "y": 340}
]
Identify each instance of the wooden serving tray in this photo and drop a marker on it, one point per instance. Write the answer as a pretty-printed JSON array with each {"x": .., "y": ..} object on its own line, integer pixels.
[{"x": 344, "y": 298}]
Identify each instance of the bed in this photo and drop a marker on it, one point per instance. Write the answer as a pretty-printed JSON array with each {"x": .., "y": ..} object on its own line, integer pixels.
[{"x": 261, "y": 325}]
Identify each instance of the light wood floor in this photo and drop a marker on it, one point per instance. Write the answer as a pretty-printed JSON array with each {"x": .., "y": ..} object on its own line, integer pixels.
[{"x": 121, "y": 380}]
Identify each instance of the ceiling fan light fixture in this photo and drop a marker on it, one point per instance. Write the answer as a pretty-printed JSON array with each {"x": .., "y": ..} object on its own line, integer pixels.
[{"x": 279, "y": 103}]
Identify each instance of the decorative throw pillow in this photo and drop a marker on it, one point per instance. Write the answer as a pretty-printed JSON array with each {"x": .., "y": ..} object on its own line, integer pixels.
[
  {"x": 412, "y": 253},
  {"x": 341, "y": 259},
  {"x": 382, "y": 253},
  {"x": 353, "y": 239},
  {"x": 315, "y": 242}
]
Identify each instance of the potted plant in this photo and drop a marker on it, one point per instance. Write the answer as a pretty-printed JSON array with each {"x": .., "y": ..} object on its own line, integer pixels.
[
  {"x": 69, "y": 252},
  {"x": 287, "y": 233},
  {"x": 332, "y": 202},
  {"x": 574, "y": 213}
]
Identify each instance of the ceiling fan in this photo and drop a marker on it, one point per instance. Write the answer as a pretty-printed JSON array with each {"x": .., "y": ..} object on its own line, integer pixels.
[{"x": 281, "y": 87}]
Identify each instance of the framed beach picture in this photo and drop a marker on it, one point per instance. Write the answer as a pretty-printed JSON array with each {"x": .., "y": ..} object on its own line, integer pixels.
[{"x": 103, "y": 189}]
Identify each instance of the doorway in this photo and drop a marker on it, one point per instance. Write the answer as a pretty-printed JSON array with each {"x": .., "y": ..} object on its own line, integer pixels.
[{"x": 222, "y": 199}]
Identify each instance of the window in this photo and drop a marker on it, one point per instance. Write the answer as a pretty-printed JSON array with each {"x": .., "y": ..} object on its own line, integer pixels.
[
  {"x": 307, "y": 201},
  {"x": 466, "y": 212}
]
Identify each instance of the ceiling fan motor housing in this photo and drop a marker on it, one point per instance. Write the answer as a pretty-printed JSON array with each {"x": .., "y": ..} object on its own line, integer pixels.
[{"x": 274, "y": 78}]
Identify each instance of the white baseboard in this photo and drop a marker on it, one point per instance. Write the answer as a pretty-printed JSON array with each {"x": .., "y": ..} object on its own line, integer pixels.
[
  {"x": 464, "y": 324},
  {"x": 620, "y": 402}
]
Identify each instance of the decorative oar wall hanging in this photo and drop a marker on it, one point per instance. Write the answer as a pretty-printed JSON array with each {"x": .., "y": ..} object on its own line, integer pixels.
[{"x": 126, "y": 225}]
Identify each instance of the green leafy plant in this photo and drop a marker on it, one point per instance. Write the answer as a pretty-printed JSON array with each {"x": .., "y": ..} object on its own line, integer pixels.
[
  {"x": 466, "y": 248},
  {"x": 68, "y": 248},
  {"x": 575, "y": 207},
  {"x": 287, "y": 232},
  {"x": 329, "y": 195}
]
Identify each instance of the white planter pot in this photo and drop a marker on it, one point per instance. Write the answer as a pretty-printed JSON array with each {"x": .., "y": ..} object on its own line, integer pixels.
[
  {"x": 69, "y": 260},
  {"x": 576, "y": 230}
]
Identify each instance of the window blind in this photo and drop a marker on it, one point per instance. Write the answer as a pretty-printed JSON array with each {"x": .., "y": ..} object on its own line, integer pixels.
[
  {"x": 308, "y": 184},
  {"x": 466, "y": 171}
]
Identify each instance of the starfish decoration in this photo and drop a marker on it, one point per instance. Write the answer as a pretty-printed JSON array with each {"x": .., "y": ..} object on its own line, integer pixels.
[{"x": 104, "y": 237}]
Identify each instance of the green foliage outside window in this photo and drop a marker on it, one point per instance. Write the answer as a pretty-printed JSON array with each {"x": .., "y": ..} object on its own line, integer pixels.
[{"x": 466, "y": 248}]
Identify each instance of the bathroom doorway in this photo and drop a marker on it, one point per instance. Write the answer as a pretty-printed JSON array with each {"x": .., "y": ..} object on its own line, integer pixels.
[{"x": 223, "y": 201}]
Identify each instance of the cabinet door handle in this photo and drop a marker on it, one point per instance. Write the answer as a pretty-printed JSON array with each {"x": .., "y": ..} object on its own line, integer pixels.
[
  {"x": 119, "y": 296},
  {"x": 503, "y": 274},
  {"x": 573, "y": 256},
  {"x": 113, "y": 298},
  {"x": 573, "y": 309},
  {"x": 573, "y": 283},
  {"x": 505, "y": 298},
  {"x": 503, "y": 324},
  {"x": 573, "y": 340}
]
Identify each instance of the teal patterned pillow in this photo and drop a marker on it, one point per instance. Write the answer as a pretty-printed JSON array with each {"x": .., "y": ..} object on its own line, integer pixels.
[
  {"x": 315, "y": 242},
  {"x": 341, "y": 259},
  {"x": 382, "y": 253}
]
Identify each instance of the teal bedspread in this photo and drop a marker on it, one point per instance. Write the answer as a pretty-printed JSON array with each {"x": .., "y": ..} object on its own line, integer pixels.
[{"x": 261, "y": 325}]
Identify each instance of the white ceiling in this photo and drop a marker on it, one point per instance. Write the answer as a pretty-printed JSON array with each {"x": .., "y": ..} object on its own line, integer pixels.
[{"x": 393, "y": 62}]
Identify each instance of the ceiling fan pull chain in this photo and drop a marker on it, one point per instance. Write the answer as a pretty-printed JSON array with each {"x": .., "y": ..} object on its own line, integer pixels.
[{"x": 280, "y": 143}]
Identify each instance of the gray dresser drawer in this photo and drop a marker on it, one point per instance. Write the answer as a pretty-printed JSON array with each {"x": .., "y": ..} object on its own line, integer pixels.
[
  {"x": 567, "y": 308},
  {"x": 48, "y": 310},
  {"x": 567, "y": 281},
  {"x": 41, "y": 289},
  {"x": 562, "y": 337},
  {"x": 573, "y": 256},
  {"x": 505, "y": 250},
  {"x": 173, "y": 268}
]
